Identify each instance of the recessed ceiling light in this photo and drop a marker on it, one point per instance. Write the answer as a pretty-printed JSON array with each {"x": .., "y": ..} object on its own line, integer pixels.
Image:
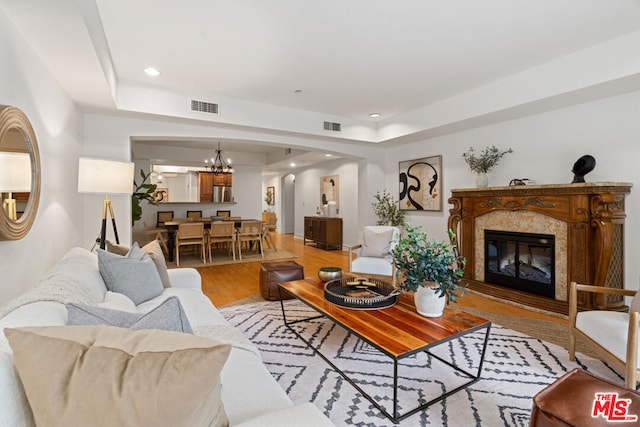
[
  {"x": 328, "y": 155},
  {"x": 374, "y": 115},
  {"x": 150, "y": 71},
  {"x": 293, "y": 165}
]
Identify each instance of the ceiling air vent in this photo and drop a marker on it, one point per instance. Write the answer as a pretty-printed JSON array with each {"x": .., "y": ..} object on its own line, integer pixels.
[
  {"x": 204, "y": 107},
  {"x": 332, "y": 126}
]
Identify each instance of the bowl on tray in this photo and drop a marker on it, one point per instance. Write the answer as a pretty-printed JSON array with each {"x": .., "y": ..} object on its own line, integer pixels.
[{"x": 329, "y": 273}]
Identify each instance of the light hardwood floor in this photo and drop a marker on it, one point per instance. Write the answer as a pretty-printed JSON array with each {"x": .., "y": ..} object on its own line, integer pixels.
[{"x": 224, "y": 284}]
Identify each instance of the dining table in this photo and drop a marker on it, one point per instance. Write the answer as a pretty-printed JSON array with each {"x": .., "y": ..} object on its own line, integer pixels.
[{"x": 172, "y": 228}]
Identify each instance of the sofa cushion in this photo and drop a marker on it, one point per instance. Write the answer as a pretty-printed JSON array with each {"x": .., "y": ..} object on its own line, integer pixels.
[
  {"x": 134, "y": 275},
  {"x": 117, "y": 301},
  {"x": 169, "y": 316},
  {"x": 154, "y": 251},
  {"x": 376, "y": 244},
  {"x": 107, "y": 376}
]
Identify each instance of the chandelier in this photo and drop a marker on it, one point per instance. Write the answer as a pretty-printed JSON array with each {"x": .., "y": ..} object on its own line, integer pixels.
[{"x": 217, "y": 165}]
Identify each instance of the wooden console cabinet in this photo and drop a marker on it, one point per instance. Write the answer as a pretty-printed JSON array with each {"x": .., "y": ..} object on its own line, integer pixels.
[{"x": 325, "y": 232}]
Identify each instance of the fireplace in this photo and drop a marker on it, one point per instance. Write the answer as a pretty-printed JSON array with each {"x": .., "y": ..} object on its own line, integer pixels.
[
  {"x": 585, "y": 219},
  {"x": 522, "y": 261}
]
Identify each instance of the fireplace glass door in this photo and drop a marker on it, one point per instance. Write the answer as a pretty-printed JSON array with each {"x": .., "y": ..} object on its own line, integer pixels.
[{"x": 522, "y": 261}]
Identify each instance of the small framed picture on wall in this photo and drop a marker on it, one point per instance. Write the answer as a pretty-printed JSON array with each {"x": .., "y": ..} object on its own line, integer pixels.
[{"x": 421, "y": 184}]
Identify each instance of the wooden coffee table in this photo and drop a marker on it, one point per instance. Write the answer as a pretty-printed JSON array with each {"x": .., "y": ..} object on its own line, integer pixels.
[{"x": 398, "y": 332}]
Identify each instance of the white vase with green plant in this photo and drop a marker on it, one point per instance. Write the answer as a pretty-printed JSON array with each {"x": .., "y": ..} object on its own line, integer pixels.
[
  {"x": 387, "y": 210},
  {"x": 429, "y": 268},
  {"x": 482, "y": 163}
]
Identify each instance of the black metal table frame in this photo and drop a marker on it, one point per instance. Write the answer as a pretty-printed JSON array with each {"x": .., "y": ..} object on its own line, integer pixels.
[{"x": 396, "y": 417}]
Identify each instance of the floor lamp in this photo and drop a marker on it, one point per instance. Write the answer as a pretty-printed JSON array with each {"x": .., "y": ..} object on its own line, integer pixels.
[
  {"x": 15, "y": 176},
  {"x": 101, "y": 176}
]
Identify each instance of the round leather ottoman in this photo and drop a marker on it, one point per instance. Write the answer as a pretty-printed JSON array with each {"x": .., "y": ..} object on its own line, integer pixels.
[{"x": 272, "y": 273}]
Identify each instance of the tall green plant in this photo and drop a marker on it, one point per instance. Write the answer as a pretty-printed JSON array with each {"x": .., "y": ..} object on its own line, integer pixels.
[
  {"x": 419, "y": 260},
  {"x": 387, "y": 210},
  {"x": 143, "y": 191}
]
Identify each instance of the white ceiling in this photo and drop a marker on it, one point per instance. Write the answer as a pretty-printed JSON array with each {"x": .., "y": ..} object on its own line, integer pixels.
[{"x": 349, "y": 58}]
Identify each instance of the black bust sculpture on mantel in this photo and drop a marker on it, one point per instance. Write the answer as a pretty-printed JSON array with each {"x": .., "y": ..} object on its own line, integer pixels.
[{"x": 583, "y": 166}]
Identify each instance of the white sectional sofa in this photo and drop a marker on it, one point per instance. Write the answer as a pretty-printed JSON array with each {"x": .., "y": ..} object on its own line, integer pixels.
[{"x": 250, "y": 395}]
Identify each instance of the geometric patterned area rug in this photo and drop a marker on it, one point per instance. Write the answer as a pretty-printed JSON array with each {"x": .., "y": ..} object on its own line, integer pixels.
[{"x": 516, "y": 367}]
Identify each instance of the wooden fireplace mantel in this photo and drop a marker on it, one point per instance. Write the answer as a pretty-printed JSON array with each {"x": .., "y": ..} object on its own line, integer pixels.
[{"x": 594, "y": 214}]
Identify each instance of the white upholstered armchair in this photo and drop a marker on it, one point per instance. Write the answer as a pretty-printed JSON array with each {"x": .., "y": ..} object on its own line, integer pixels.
[
  {"x": 612, "y": 335},
  {"x": 373, "y": 256}
]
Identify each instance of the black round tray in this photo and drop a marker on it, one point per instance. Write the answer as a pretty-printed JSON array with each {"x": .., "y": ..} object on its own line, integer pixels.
[{"x": 360, "y": 293}]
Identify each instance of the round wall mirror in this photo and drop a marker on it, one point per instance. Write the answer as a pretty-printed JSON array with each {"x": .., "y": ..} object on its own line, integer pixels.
[{"x": 19, "y": 174}]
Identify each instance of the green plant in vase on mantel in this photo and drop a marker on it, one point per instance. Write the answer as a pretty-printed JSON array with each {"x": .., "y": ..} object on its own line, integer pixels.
[
  {"x": 431, "y": 269},
  {"x": 481, "y": 163}
]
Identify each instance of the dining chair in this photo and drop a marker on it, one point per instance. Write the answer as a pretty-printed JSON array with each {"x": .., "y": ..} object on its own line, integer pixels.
[
  {"x": 162, "y": 217},
  {"x": 225, "y": 214},
  {"x": 269, "y": 227},
  {"x": 612, "y": 335},
  {"x": 157, "y": 233},
  {"x": 250, "y": 232},
  {"x": 192, "y": 234},
  {"x": 222, "y": 232},
  {"x": 194, "y": 215}
]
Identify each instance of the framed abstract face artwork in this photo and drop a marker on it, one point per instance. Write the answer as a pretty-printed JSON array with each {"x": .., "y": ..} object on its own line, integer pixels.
[{"x": 421, "y": 184}]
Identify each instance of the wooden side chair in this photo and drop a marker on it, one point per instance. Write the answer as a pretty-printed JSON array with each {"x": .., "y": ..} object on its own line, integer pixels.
[
  {"x": 157, "y": 233},
  {"x": 222, "y": 232},
  {"x": 194, "y": 215},
  {"x": 250, "y": 232},
  {"x": 373, "y": 255},
  {"x": 225, "y": 214},
  {"x": 162, "y": 217},
  {"x": 269, "y": 227},
  {"x": 192, "y": 234},
  {"x": 612, "y": 335}
]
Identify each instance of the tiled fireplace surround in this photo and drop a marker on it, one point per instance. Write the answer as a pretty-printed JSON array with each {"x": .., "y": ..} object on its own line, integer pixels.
[{"x": 586, "y": 219}]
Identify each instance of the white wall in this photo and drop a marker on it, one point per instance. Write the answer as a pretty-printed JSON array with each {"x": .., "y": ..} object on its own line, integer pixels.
[
  {"x": 545, "y": 149},
  {"x": 27, "y": 84},
  {"x": 307, "y": 194}
]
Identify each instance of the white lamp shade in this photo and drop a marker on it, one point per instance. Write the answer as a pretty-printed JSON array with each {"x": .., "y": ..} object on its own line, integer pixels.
[
  {"x": 102, "y": 176},
  {"x": 15, "y": 172}
]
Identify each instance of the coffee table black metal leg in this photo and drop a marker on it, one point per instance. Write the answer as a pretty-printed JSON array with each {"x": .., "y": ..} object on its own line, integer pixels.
[{"x": 395, "y": 417}]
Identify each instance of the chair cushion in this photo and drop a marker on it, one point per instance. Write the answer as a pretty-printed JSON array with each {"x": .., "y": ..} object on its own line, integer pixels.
[
  {"x": 369, "y": 265},
  {"x": 134, "y": 275},
  {"x": 608, "y": 328},
  {"x": 108, "y": 376},
  {"x": 169, "y": 316},
  {"x": 376, "y": 244}
]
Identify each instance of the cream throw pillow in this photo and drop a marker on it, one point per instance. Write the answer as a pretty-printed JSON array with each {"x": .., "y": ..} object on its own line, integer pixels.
[
  {"x": 108, "y": 376},
  {"x": 376, "y": 245}
]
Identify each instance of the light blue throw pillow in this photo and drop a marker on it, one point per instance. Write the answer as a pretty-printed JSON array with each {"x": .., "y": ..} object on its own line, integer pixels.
[
  {"x": 169, "y": 316},
  {"x": 134, "y": 275}
]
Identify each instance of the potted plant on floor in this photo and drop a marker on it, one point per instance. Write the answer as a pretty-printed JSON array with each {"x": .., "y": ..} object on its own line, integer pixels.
[
  {"x": 142, "y": 191},
  {"x": 483, "y": 162},
  {"x": 430, "y": 268},
  {"x": 387, "y": 210}
]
